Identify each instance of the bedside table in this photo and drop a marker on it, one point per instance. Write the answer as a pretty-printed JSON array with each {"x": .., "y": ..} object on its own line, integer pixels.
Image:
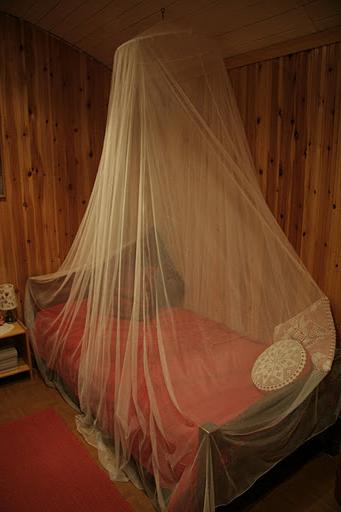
[{"x": 19, "y": 338}]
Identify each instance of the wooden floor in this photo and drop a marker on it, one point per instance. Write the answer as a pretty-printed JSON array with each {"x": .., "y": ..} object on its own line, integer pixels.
[{"x": 305, "y": 483}]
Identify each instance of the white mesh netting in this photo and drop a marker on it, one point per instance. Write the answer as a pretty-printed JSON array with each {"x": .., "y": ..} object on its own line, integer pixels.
[{"x": 174, "y": 285}]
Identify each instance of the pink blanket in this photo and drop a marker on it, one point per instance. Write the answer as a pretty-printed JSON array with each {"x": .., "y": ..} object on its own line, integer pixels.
[{"x": 209, "y": 369}]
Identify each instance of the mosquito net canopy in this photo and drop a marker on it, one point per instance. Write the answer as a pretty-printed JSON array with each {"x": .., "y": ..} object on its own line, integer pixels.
[{"x": 178, "y": 280}]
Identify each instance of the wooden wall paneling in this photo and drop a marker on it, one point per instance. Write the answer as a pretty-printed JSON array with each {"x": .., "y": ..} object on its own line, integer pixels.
[
  {"x": 52, "y": 126},
  {"x": 59, "y": 132},
  {"x": 313, "y": 77},
  {"x": 38, "y": 180},
  {"x": 100, "y": 89},
  {"x": 292, "y": 114},
  {"x": 294, "y": 206},
  {"x": 302, "y": 179},
  {"x": 50, "y": 197},
  {"x": 239, "y": 84},
  {"x": 286, "y": 143},
  {"x": 314, "y": 186},
  {"x": 6, "y": 249},
  {"x": 84, "y": 151},
  {"x": 74, "y": 170},
  {"x": 94, "y": 88},
  {"x": 16, "y": 154},
  {"x": 333, "y": 250},
  {"x": 276, "y": 115},
  {"x": 71, "y": 131},
  {"x": 251, "y": 107},
  {"x": 262, "y": 122},
  {"x": 326, "y": 175},
  {"x": 283, "y": 172}
]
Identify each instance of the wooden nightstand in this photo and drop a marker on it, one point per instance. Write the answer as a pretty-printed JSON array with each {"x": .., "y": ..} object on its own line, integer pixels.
[{"x": 19, "y": 337}]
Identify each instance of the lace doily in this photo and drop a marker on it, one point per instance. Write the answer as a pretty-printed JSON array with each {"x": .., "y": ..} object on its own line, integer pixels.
[
  {"x": 279, "y": 365},
  {"x": 314, "y": 328}
]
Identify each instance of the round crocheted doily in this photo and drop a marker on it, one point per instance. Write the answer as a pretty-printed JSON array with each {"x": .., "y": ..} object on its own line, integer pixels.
[{"x": 279, "y": 365}]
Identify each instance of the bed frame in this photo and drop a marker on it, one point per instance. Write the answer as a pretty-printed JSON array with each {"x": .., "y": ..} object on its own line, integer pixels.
[{"x": 326, "y": 412}]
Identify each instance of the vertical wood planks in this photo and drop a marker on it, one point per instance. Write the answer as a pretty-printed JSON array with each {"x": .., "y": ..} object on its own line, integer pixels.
[
  {"x": 53, "y": 105},
  {"x": 53, "y": 102},
  {"x": 291, "y": 108}
]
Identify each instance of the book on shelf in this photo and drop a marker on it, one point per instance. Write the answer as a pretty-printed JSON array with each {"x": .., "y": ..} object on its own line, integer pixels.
[
  {"x": 8, "y": 352},
  {"x": 8, "y": 358}
]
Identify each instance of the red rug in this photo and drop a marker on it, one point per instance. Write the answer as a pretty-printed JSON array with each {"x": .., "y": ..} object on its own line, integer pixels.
[{"x": 45, "y": 468}]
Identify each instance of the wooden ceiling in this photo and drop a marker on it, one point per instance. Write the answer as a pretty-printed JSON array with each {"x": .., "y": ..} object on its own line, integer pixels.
[{"x": 98, "y": 27}]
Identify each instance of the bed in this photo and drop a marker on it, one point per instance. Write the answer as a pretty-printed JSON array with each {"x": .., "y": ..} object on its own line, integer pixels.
[
  {"x": 189, "y": 327},
  {"x": 230, "y": 357}
]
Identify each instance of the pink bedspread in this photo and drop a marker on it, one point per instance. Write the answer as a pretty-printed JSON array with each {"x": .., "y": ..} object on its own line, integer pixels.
[{"x": 211, "y": 378}]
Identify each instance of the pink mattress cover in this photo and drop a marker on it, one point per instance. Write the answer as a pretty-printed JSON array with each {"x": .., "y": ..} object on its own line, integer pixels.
[{"x": 212, "y": 381}]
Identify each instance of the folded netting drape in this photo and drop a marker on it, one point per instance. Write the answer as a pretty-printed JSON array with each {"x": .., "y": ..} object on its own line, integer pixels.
[{"x": 177, "y": 280}]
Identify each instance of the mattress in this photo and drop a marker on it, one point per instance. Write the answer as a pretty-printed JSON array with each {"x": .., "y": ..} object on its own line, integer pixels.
[{"x": 210, "y": 376}]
